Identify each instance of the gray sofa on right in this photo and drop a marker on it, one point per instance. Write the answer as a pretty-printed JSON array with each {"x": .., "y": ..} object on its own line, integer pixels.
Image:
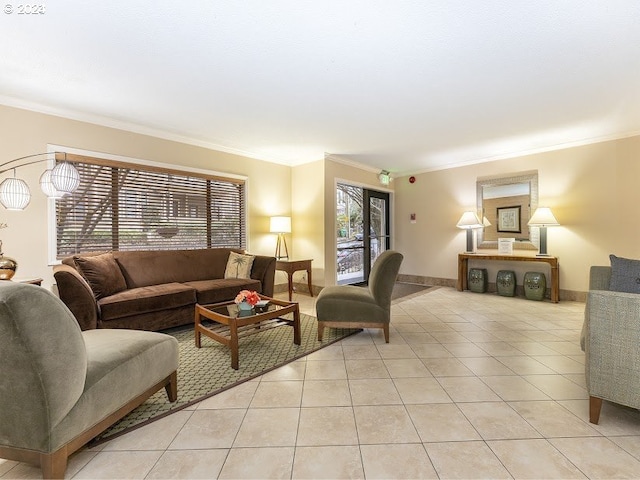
[
  {"x": 610, "y": 339},
  {"x": 156, "y": 289}
]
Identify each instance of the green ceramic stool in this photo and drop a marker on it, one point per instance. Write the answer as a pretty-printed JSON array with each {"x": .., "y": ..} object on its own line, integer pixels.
[
  {"x": 535, "y": 285},
  {"x": 506, "y": 283},
  {"x": 478, "y": 280}
]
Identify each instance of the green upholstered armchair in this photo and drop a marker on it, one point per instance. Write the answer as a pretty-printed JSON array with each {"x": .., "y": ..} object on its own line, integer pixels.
[
  {"x": 60, "y": 387},
  {"x": 348, "y": 306},
  {"x": 610, "y": 338}
]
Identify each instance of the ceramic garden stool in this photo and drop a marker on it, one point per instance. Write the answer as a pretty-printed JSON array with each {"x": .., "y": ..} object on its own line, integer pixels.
[
  {"x": 535, "y": 285},
  {"x": 478, "y": 280},
  {"x": 506, "y": 283}
]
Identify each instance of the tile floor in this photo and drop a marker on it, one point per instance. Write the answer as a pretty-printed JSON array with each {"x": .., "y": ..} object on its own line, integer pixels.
[{"x": 470, "y": 386}]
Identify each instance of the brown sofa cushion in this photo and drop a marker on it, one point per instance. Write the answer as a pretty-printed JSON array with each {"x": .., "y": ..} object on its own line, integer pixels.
[
  {"x": 220, "y": 290},
  {"x": 146, "y": 299},
  {"x": 102, "y": 273}
]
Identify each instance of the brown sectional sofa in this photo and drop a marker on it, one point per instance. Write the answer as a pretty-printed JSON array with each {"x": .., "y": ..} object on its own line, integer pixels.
[{"x": 153, "y": 290}]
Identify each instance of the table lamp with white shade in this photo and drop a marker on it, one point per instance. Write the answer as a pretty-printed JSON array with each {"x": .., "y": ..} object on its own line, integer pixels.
[
  {"x": 469, "y": 222},
  {"x": 543, "y": 218}
]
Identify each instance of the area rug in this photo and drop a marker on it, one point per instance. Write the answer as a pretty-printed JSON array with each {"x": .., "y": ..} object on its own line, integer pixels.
[{"x": 206, "y": 371}]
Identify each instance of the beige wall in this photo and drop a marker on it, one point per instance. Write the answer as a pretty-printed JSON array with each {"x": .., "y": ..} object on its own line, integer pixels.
[
  {"x": 592, "y": 190},
  {"x": 23, "y": 133}
]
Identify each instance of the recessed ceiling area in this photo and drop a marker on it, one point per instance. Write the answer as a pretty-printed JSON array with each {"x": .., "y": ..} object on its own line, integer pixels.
[{"x": 405, "y": 86}]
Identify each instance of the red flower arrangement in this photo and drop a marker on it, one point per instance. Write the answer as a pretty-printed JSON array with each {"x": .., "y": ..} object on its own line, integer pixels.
[{"x": 249, "y": 296}]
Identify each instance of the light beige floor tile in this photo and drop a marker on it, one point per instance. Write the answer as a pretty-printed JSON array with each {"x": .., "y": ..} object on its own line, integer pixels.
[
  {"x": 557, "y": 387},
  {"x": 441, "y": 423},
  {"x": 497, "y": 421},
  {"x": 155, "y": 436},
  {"x": 361, "y": 352},
  {"x": 615, "y": 419},
  {"x": 417, "y": 338},
  {"x": 327, "y": 426},
  {"x": 450, "y": 337},
  {"x": 331, "y": 352},
  {"x": 196, "y": 464},
  {"x": 125, "y": 465},
  {"x": 290, "y": 371},
  {"x": 560, "y": 363},
  {"x": 534, "y": 459},
  {"x": 388, "y": 350},
  {"x": 374, "y": 391},
  {"x": 467, "y": 389},
  {"x": 482, "y": 366},
  {"x": 268, "y": 427},
  {"x": 630, "y": 444},
  {"x": 525, "y": 365},
  {"x": 446, "y": 367},
  {"x": 598, "y": 457},
  {"x": 371, "y": 368},
  {"x": 513, "y": 387},
  {"x": 384, "y": 424},
  {"x": 401, "y": 461},
  {"x": 278, "y": 394},
  {"x": 326, "y": 370},
  {"x": 565, "y": 348},
  {"x": 533, "y": 348},
  {"x": 326, "y": 393},
  {"x": 465, "y": 460},
  {"x": 464, "y": 350},
  {"x": 421, "y": 390},
  {"x": 336, "y": 463},
  {"x": 553, "y": 420},
  {"x": 209, "y": 429},
  {"x": 24, "y": 471},
  {"x": 258, "y": 463},
  {"x": 498, "y": 349},
  {"x": 6, "y": 465},
  {"x": 359, "y": 338},
  {"x": 406, "y": 367},
  {"x": 430, "y": 350},
  {"x": 239, "y": 396}
]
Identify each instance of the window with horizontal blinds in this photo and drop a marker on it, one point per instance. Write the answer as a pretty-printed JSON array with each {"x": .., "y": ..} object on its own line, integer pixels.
[{"x": 129, "y": 207}]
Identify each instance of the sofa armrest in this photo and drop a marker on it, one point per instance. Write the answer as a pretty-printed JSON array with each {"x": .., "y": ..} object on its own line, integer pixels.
[
  {"x": 612, "y": 354},
  {"x": 77, "y": 295},
  {"x": 264, "y": 269}
]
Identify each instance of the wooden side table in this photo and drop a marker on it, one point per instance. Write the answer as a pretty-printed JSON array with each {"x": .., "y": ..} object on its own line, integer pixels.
[{"x": 292, "y": 266}]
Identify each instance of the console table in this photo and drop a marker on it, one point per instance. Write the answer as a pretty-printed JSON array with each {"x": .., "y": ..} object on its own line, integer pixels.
[
  {"x": 291, "y": 266},
  {"x": 463, "y": 268}
]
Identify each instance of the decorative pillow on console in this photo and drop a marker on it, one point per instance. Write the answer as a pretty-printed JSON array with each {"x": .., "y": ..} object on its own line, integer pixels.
[
  {"x": 625, "y": 275},
  {"x": 239, "y": 265},
  {"x": 102, "y": 273}
]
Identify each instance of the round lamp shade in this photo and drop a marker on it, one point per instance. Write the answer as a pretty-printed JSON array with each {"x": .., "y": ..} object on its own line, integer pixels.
[
  {"x": 65, "y": 178},
  {"x": 47, "y": 186},
  {"x": 14, "y": 194}
]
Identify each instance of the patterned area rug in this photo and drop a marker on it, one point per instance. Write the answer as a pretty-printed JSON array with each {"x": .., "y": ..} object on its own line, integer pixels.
[{"x": 206, "y": 371}]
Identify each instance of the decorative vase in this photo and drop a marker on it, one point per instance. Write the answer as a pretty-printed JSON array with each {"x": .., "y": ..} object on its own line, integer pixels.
[
  {"x": 506, "y": 283},
  {"x": 245, "y": 309},
  {"x": 535, "y": 285},
  {"x": 478, "y": 280},
  {"x": 8, "y": 266}
]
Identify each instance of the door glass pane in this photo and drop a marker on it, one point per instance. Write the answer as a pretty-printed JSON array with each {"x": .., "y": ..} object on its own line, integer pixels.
[
  {"x": 378, "y": 224},
  {"x": 350, "y": 241}
]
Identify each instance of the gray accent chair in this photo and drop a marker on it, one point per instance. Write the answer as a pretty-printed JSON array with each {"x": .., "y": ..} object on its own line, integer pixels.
[
  {"x": 59, "y": 386},
  {"x": 349, "y": 306},
  {"x": 610, "y": 338}
]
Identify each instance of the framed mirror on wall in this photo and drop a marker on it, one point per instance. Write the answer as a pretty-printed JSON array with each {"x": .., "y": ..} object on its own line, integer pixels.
[{"x": 506, "y": 203}]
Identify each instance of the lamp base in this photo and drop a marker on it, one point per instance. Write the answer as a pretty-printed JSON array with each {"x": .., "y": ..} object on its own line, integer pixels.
[{"x": 281, "y": 240}]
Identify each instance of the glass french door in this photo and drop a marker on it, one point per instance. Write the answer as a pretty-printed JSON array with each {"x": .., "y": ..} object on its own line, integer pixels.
[{"x": 362, "y": 231}]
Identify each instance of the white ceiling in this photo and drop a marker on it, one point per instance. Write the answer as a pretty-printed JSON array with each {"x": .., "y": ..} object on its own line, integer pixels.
[{"x": 407, "y": 86}]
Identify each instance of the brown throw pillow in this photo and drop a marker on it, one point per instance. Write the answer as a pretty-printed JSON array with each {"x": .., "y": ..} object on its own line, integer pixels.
[{"x": 102, "y": 273}]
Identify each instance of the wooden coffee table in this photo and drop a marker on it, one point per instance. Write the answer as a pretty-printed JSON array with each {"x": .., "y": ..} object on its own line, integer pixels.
[{"x": 221, "y": 322}]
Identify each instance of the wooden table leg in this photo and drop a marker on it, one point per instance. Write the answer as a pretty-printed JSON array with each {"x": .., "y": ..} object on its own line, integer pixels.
[
  {"x": 296, "y": 327},
  {"x": 309, "y": 281},
  {"x": 555, "y": 284},
  {"x": 197, "y": 330},
  {"x": 233, "y": 344}
]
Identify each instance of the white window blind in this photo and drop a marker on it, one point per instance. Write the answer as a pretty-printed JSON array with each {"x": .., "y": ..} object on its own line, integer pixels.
[{"x": 132, "y": 207}]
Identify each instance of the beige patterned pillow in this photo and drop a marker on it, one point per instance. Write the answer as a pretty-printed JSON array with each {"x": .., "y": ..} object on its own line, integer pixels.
[{"x": 239, "y": 265}]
